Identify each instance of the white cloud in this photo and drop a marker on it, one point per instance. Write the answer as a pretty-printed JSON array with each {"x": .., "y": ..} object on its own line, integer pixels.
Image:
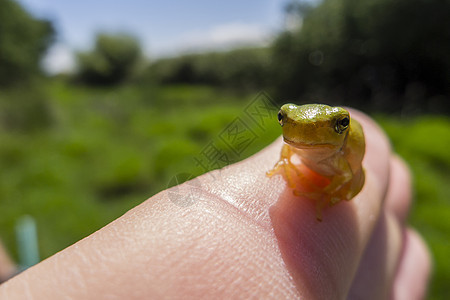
[
  {"x": 59, "y": 59},
  {"x": 219, "y": 37},
  {"x": 229, "y": 34}
]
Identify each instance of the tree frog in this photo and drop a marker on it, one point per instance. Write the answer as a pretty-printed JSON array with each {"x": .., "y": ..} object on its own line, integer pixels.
[{"x": 330, "y": 145}]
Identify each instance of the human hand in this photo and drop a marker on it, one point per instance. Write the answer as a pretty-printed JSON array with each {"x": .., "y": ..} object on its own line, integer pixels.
[
  {"x": 7, "y": 267},
  {"x": 247, "y": 236}
]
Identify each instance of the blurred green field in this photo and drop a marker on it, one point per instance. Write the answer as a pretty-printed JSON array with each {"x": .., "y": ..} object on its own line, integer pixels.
[{"x": 104, "y": 151}]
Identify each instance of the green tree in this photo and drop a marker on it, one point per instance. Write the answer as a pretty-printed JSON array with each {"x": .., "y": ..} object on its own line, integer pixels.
[
  {"x": 245, "y": 68},
  {"x": 112, "y": 61},
  {"x": 23, "y": 41},
  {"x": 379, "y": 54}
]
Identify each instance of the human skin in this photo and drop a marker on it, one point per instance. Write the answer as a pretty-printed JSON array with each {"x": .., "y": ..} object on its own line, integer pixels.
[
  {"x": 235, "y": 233},
  {"x": 7, "y": 267}
]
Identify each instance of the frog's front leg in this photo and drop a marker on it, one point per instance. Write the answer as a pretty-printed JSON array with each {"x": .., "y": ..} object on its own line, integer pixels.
[{"x": 285, "y": 163}]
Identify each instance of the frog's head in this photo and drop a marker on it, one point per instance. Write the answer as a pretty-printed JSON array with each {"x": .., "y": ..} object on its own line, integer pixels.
[{"x": 314, "y": 125}]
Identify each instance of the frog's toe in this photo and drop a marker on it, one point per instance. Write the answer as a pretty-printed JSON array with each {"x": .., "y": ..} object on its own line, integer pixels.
[
  {"x": 349, "y": 195},
  {"x": 270, "y": 173},
  {"x": 334, "y": 200},
  {"x": 298, "y": 193},
  {"x": 274, "y": 170}
]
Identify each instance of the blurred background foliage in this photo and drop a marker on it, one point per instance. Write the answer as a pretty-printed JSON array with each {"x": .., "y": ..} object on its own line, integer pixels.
[
  {"x": 380, "y": 55},
  {"x": 23, "y": 41},
  {"x": 78, "y": 150},
  {"x": 243, "y": 69},
  {"x": 112, "y": 61}
]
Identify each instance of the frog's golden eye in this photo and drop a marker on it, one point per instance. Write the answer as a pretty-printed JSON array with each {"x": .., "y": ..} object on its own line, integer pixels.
[
  {"x": 280, "y": 117},
  {"x": 342, "y": 124}
]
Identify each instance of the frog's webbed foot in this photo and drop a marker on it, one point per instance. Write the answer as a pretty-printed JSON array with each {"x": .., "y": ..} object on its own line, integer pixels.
[
  {"x": 286, "y": 166},
  {"x": 338, "y": 195}
]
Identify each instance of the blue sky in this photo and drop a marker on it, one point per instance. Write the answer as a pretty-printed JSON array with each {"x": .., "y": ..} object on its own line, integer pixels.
[{"x": 163, "y": 27}]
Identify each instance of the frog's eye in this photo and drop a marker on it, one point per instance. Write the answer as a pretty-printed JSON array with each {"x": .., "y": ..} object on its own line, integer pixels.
[
  {"x": 280, "y": 117},
  {"x": 342, "y": 124}
]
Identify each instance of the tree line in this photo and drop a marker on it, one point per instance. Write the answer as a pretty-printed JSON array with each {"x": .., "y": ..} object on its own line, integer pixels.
[{"x": 375, "y": 54}]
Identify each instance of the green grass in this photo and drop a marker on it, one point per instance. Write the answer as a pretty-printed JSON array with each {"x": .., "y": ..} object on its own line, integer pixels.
[{"x": 107, "y": 150}]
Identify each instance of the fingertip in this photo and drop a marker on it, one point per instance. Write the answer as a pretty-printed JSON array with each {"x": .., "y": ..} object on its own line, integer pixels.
[
  {"x": 414, "y": 270},
  {"x": 399, "y": 194},
  {"x": 319, "y": 255},
  {"x": 379, "y": 263}
]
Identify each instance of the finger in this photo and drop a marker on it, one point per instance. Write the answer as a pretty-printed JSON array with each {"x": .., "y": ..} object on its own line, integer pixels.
[
  {"x": 208, "y": 250},
  {"x": 398, "y": 199},
  {"x": 208, "y": 238},
  {"x": 413, "y": 273},
  {"x": 7, "y": 267},
  {"x": 379, "y": 262},
  {"x": 382, "y": 254}
]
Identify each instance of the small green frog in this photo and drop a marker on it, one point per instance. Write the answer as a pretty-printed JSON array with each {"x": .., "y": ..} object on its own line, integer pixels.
[{"x": 330, "y": 144}]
